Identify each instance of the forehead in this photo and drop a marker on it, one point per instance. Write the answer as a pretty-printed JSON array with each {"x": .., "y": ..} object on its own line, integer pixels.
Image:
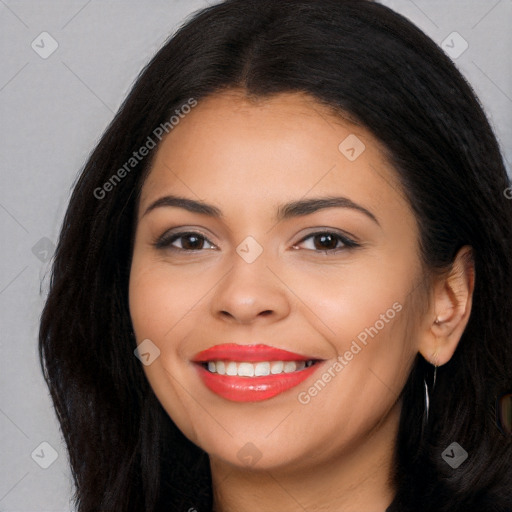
[{"x": 282, "y": 147}]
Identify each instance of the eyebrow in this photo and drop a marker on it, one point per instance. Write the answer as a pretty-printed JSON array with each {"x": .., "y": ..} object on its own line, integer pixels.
[{"x": 289, "y": 210}]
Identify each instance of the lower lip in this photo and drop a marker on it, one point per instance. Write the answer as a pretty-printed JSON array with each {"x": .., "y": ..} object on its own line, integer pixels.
[{"x": 253, "y": 389}]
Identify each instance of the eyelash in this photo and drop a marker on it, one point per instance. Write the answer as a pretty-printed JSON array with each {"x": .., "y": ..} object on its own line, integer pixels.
[{"x": 165, "y": 241}]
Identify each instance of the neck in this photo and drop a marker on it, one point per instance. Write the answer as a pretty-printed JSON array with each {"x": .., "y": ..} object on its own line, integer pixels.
[{"x": 358, "y": 479}]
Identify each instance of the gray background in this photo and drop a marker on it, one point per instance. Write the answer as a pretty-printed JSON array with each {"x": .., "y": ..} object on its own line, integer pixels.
[{"x": 52, "y": 113}]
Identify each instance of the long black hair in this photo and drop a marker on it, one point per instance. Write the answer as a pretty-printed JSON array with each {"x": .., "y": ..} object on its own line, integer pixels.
[{"x": 368, "y": 63}]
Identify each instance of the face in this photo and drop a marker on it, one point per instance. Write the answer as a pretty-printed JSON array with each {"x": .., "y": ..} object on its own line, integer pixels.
[{"x": 276, "y": 270}]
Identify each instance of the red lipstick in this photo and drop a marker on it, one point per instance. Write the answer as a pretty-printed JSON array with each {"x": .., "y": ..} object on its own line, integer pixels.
[
  {"x": 267, "y": 372},
  {"x": 250, "y": 353}
]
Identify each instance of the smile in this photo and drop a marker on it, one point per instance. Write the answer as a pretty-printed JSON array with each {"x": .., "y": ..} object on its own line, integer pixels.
[
  {"x": 251, "y": 373},
  {"x": 260, "y": 369}
]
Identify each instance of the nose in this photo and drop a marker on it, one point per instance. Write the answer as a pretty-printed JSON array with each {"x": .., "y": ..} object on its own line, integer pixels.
[{"x": 250, "y": 292}]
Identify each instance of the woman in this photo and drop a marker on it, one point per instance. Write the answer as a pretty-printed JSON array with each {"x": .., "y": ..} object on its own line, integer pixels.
[{"x": 283, "y": 280}]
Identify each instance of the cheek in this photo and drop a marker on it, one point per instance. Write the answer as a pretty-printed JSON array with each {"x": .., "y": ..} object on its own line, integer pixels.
[
  {"x": 151, "y": 303},
  {"x": 158, "y": 307},
  {"x": 360, "y": 300},
  {"x": 161, "y": 297},
  {"x": 367, "y": 317}
]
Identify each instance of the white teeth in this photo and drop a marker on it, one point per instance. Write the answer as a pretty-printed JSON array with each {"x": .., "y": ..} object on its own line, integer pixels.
[
  {"x": 289, "y": 366},
  {"x": 245, "y": 370},
  {"x": 231, "y": 368},
  {"x": 260, "y": 369},
  {"x": 220, "y": 367},
  {"x": 276, "y": 367}
]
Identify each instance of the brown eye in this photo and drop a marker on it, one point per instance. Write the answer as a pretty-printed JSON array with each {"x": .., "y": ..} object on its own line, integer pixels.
[
  {"x": 192, "y": 242},
  {"x": 326, "y": 242},
  {"x": 184, "y": 242}
]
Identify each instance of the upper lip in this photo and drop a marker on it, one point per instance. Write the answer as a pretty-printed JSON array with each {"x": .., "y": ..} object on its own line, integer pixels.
[{"x": 248, "y": 353}]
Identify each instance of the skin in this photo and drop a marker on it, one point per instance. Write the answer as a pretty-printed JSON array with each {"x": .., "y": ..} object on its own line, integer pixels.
[{"x": 246, "y": 158}]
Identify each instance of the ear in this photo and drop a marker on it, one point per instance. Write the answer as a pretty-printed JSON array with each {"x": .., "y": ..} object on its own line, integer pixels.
[{"x": 450, "y": 309}]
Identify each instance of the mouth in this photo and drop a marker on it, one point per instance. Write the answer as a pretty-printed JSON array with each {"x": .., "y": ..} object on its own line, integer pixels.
[{"x": 251, "y": 373}]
